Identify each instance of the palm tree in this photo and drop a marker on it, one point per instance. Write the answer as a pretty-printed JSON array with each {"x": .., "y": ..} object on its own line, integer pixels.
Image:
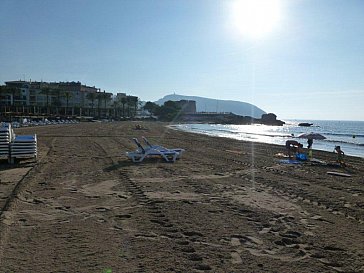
[
  {"x": 115, "y": 105},
  {"x": 132, "y": 102},
  {"x": 123, "y": 101},
  {"x": 92, "y": 97},
  {"x": 136, "y": 103},
  {"x": 45, "y": 90},
  {"x": 57, "y": 101},
  {"x": 102, "y": 97},
  {"x": 119, "y": 101},
  {"x": 67, "y": 95},
  {"x": 14, "y": 91},
  {"x": 107, "y": 98},
  {"x": 99, "y": 98},
  {"x": 128, "y": 104},
  {"x": 4, "y": 93}
]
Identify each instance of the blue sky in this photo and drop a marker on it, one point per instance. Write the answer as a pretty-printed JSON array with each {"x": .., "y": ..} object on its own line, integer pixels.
[{"x": 309, "y": 66}]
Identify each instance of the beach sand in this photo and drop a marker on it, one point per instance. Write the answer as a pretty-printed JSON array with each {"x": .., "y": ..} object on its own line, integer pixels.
[{"x": 225, "y": 206}]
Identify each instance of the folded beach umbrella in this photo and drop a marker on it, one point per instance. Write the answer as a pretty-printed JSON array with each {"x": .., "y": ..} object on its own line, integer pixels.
[{"x": 312, "y": 136}]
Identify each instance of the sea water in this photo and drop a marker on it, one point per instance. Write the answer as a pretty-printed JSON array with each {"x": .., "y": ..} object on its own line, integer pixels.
[{"x": 347, "y": 134}]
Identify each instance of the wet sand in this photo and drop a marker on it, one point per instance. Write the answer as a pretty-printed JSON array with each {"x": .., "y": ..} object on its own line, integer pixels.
[{"x": 225, "y": 206}]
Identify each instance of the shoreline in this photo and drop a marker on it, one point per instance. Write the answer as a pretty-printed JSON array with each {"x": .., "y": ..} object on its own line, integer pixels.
[
  {"x": 267, "y": 138},
  {"x": 226, "y": 205}
]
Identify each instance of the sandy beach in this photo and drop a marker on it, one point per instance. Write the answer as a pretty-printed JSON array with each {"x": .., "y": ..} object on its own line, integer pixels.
[{"x": 225, "y": 206}]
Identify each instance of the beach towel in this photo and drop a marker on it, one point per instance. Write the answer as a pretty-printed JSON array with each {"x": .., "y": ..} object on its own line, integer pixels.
[
  {"x": 290, "y": 161},
  {"x": 281, "y": 155}
]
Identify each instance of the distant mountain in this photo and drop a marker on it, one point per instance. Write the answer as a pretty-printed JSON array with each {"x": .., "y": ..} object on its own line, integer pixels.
[{"x": 213, "y": 105}]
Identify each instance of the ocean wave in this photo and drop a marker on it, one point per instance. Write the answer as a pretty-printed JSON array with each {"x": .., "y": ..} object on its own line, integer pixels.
[
  {"x": 224, "y": 130},
  {"x": 332, "y": 137},
  {"x": 251, "y": 135},
  {"x": 342, "y": 134},
  {"x": 350, "y": 145},
  {"x": 343, "y": 142}
]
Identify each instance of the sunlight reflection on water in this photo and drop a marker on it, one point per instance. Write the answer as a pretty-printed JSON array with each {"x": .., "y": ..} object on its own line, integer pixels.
[{"x": 349, "y": 135}]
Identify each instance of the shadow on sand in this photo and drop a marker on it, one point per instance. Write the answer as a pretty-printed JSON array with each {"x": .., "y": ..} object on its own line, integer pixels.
[{"x": 127, "y": 163}]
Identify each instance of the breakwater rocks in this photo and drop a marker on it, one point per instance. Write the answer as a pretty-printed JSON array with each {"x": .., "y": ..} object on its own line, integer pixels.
[{"x": 230, "y": 118}]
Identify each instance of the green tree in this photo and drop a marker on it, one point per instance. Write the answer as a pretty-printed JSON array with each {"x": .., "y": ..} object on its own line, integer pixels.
[
  {"x": 123, "y": 101},
  {"x": 5, "y": 94},
  {"x": 92, "y": 97},
  {"x": 117, "y": 106},
  {"x": 7, "y": 91},
  {"x": 129, "y": 104},
  {"x": 56, "y": 101},
  {"x": 106, "y": 97},
  {"x": 99, "y": 98},
  {"x": 169, "y": 111},
  {"x": 114, "y": 106},
  {"x": 68, "y": 96},
  {"x": 45, "y": 90},
  {"x": 151, "y": 107},
  {"x": 14, "y": 92},
  {"x": 135, "y": 104},
  {"x": 132, "y": 103}
]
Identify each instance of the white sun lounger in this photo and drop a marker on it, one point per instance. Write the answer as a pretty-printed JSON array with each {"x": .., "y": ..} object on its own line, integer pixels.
[
  {"x": 161, "y": 148},
  {"x": 141, "y": 153}
]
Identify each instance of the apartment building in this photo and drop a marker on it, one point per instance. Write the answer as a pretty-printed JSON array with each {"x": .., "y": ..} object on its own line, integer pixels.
[{"x": 68, "y": 98}]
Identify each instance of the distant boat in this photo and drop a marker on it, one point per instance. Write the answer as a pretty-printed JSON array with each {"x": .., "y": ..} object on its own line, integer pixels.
[{"x": 306, "y": 124}]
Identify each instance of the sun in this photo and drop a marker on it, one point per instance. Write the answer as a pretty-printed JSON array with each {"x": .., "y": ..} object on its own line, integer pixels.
[{"x": 255, "y": 18}]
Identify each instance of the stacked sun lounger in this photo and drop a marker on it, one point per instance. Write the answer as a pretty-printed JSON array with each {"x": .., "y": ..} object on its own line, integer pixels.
[
  {"x": 6, "y": 136},
  {"x": 23, "y": 146}
]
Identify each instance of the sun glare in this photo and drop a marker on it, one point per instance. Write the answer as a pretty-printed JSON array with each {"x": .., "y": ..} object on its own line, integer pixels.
[{"x": 255, "y": 18}]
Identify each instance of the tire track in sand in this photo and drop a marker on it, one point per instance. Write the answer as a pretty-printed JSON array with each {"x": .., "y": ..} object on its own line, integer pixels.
[
  {"x": 165, "y": 227},
  {"x": 12, "y": 196}
]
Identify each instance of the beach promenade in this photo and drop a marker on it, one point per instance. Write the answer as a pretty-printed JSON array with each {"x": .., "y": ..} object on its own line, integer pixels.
[{"x": 225, "y": 206}]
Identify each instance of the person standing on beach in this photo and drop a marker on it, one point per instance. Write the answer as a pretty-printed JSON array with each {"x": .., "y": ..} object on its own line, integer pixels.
[
  {"x": 340, "y": 155},
  {"x": 309, "y": 147}
]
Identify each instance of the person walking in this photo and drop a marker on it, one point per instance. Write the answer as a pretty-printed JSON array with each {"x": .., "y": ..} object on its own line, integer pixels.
[{"x": 340, "y": 155}]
